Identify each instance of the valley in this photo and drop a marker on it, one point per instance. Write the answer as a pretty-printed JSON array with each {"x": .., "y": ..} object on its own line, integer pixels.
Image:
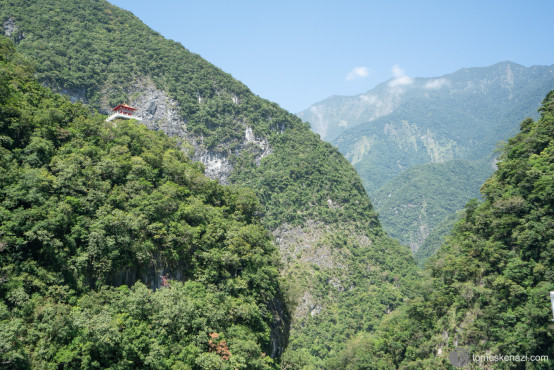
[{"x": 419, "y": 128}]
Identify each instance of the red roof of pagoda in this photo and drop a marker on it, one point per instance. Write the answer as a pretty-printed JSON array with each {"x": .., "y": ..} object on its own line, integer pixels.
[{"x": 125, "y": 106}]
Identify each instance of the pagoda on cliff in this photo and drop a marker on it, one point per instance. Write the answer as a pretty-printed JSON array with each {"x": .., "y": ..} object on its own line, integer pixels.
[{"x": 123, "y": 111}]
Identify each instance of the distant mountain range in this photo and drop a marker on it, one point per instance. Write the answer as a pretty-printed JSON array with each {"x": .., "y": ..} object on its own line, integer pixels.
[{"x": 409, "y": 122}]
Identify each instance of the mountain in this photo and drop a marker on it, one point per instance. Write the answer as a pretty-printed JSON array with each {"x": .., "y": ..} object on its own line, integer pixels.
[
  {"x": 469, "y": 93},
  {"x": 487, "y": 290},
  {"x": 408, "y": 122},
  {"x": 116, "y": 250},
  {"x": 338, "y": 265}
]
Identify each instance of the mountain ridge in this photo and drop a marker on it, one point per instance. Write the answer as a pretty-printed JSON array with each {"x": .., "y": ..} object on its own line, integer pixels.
[
  {"x": 381, "y": 87},
  {"x": 461, "y": 115},
  {"x": 312, "y": 199}
]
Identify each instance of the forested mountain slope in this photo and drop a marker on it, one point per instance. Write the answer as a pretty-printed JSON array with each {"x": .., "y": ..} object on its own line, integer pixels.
[
  {"x": 415, "y": 202},
  {"x": 340, "y": 264},
  {"x": 115, "y": 249},
  {"x": 410, "y": 122},
  {"x": 488, "y": 287},
  {"x": 449, "y": 117}
]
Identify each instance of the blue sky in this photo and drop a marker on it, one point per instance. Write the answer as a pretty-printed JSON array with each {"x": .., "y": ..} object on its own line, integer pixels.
[{"x": 297, "y": 53}]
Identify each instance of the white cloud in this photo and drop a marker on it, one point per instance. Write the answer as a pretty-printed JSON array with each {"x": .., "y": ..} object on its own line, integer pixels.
[
  {"x": 357, "y": 72},
  {"x": 400, "y": 78},
  {"x": 370, "y": 99},
  {"x": 437, "y": 84},
  {"x": 397, "y": 71}
]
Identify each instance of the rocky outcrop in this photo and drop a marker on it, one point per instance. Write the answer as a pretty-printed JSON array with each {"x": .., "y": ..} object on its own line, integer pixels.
[
  {"x": 75, "y": 94},
  {"x": 9, "y": 27},
  {"x": 307, "y": 249},
  {"x": 11, "y": 30},
  {"x": 154, "y": 275},
  {"x": 160, "y": 112},
  {"x": 157, "y": 110},
  {"x": 280, "y": 327}
]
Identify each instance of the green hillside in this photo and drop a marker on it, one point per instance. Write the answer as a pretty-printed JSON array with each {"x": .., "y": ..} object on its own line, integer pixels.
[
  {"x": 437, "y": 237},
  {"x": 488, "y": 287},
  {"x": 414, "y": 203},
  {"x": 336, "y": 258},
  {"x": 115, "y": 250}
]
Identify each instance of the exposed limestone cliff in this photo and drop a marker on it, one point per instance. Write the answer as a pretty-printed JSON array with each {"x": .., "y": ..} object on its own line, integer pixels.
[
  {"x": 160, "y": 112},
  {"x": 10, "y": 28}
]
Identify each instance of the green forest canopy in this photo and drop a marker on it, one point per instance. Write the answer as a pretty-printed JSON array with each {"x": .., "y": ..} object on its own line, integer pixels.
[{"x": 87, "y": 205}]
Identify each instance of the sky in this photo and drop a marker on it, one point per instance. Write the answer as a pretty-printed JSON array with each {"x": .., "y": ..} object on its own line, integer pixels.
[{"x": 297, "y": 53}]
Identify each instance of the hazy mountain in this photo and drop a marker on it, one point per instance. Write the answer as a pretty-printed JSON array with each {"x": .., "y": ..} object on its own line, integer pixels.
[
  {"x": 407, "y": 122},
  {"x": 465, "y": 92},
  {"x": 340, "y": 271}
]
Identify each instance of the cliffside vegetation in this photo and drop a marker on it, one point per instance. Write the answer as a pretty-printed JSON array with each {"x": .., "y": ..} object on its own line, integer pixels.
[
  {"x": 413, "y": 204},
  {"x": 116, "y": 251},
  {"x": 333, "y": 249},
  {"x": 488, "y": 286}
]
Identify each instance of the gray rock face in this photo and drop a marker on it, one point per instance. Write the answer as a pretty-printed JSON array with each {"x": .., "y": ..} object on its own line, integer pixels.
[
  {"x": 160, "y": 112},
  {"x": 280, "y": 327},
  {"x": 217, "y": 163},
  {"x": 10, "y": 28},
  {"x": 157, "y": 110},
  {"x": 75, "y": 94},
  {"x": 154, "y": 275}
]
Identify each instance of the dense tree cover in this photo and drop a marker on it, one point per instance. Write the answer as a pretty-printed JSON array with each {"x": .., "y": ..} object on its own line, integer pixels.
[
  {"x": 437, "y": 237},
  {"x": 488, "y": 286},
  {"x": 414, "y": 203},
  {"x": 95, "y": 50},
  {"x": 115, "y": 250}
]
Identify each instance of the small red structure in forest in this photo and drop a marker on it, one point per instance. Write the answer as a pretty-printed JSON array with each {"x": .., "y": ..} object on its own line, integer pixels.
[{"x": 124, "y": 111}]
